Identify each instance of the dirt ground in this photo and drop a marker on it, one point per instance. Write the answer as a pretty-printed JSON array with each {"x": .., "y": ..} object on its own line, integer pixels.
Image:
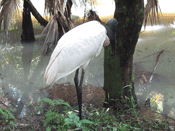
[{"x": 93, "y": 96}]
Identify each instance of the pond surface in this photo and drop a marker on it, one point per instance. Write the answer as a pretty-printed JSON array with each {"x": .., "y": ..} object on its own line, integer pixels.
[
  {"x": 156, "y": 48},
  {"x": 22, "y": 68}
]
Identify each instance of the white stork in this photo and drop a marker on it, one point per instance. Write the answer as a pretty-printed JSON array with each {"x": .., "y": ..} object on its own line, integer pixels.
[{"x": 76, "y": 48}]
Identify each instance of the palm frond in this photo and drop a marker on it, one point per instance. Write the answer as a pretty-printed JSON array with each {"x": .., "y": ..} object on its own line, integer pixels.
[
  {"x": 52, "y": 34},
  {"x": 92, "y": 15},
  {"x": 88, "y": 2},
  {"x": 8, "y": 7},
  {"x": 59, "y": 21},
  {"x": 151, "y": 12},
  {"x": 51, "y": 6}
]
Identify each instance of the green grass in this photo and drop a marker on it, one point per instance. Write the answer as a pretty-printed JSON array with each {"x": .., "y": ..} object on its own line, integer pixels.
[
  {"x": 8, "y": 118},
  {"x": 96, "y": 119}
]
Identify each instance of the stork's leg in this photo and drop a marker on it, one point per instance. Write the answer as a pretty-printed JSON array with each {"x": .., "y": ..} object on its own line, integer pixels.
[
  {"x": 76, "y": 79},
  {"x": 79, "y": 89}
]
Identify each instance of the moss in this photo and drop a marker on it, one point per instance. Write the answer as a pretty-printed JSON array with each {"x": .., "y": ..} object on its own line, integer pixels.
[
  {"x": 140, "y": 11},
  {"x": 140, "y": 23},
  {"x": 112, "y": 74}
]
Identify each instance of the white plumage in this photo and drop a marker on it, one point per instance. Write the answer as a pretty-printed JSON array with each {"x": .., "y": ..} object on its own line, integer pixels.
[{"x": 75, "y": 49}]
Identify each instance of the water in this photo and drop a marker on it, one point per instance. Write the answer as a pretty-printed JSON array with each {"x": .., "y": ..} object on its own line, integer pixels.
[
  {"x": 22, "y": 69},
  {"x": 161, "y": 88}
]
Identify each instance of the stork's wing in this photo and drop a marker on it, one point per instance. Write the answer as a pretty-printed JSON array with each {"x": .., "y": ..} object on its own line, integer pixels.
[{"x": 74, "y": 50}]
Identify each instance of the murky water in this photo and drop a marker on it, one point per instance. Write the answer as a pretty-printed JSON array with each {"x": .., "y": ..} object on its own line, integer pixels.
[
  {"x": 22, "y": 69},
  {"x": 160, "y": 89}
]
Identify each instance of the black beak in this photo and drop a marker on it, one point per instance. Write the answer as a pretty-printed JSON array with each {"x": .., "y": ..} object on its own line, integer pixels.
[
  {"x": 113, "y": 45},
  {"x": 114, "y": 53}
]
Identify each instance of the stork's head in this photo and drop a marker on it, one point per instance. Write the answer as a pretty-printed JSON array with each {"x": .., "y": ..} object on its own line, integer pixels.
[{"x": 111, "y": 28}]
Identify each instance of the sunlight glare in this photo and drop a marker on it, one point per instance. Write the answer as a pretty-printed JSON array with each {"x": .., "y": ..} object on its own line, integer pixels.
[
  {"x": 152, "y": 28},
  {"x": 172, "y": 25}
]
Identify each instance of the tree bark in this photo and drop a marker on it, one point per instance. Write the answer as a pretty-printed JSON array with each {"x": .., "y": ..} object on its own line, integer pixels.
[
  {"x": 67, "y": 12},
  {"x": 27, "y": 27},
  {"x": 64, "y": 23},
  {"x": 36, "y": 14},
  {"x": 118, "y": 74}
]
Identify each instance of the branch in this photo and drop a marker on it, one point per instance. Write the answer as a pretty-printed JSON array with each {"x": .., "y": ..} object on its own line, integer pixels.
[{"x": 36, "y": 14}]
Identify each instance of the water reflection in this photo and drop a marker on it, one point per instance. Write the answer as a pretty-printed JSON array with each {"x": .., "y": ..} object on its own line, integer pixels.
[{"x": 21, "y": 69}]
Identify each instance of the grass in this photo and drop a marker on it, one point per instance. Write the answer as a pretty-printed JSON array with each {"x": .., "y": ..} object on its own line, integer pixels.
[
  {"x": 7, "y": 118},
  {"x": 96, "y": 119}
]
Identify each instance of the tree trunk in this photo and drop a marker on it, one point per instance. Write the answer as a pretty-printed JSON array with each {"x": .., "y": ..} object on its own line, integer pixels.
[
  {"x": 64, "y": 23},
  {"x": 67, "y": 12},
  {"x": 36, "y": 14},
  {"x": 118, "y": 74},
  {"x": 27, "y": 27}
]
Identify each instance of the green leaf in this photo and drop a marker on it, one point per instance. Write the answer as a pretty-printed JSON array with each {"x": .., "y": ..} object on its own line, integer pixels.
[
  {"x": 86, "y": 121},
  {"x": 74, "y": 117},
  {"x": 78, "y": 124},
  {"x": 68, "y": 121},
  {"x": 62, "y": 102},
  {"x": 48, "y": 128}
]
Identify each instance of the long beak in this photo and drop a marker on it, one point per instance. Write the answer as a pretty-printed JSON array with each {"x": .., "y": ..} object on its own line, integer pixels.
[{"x": 114, "y": 47}]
